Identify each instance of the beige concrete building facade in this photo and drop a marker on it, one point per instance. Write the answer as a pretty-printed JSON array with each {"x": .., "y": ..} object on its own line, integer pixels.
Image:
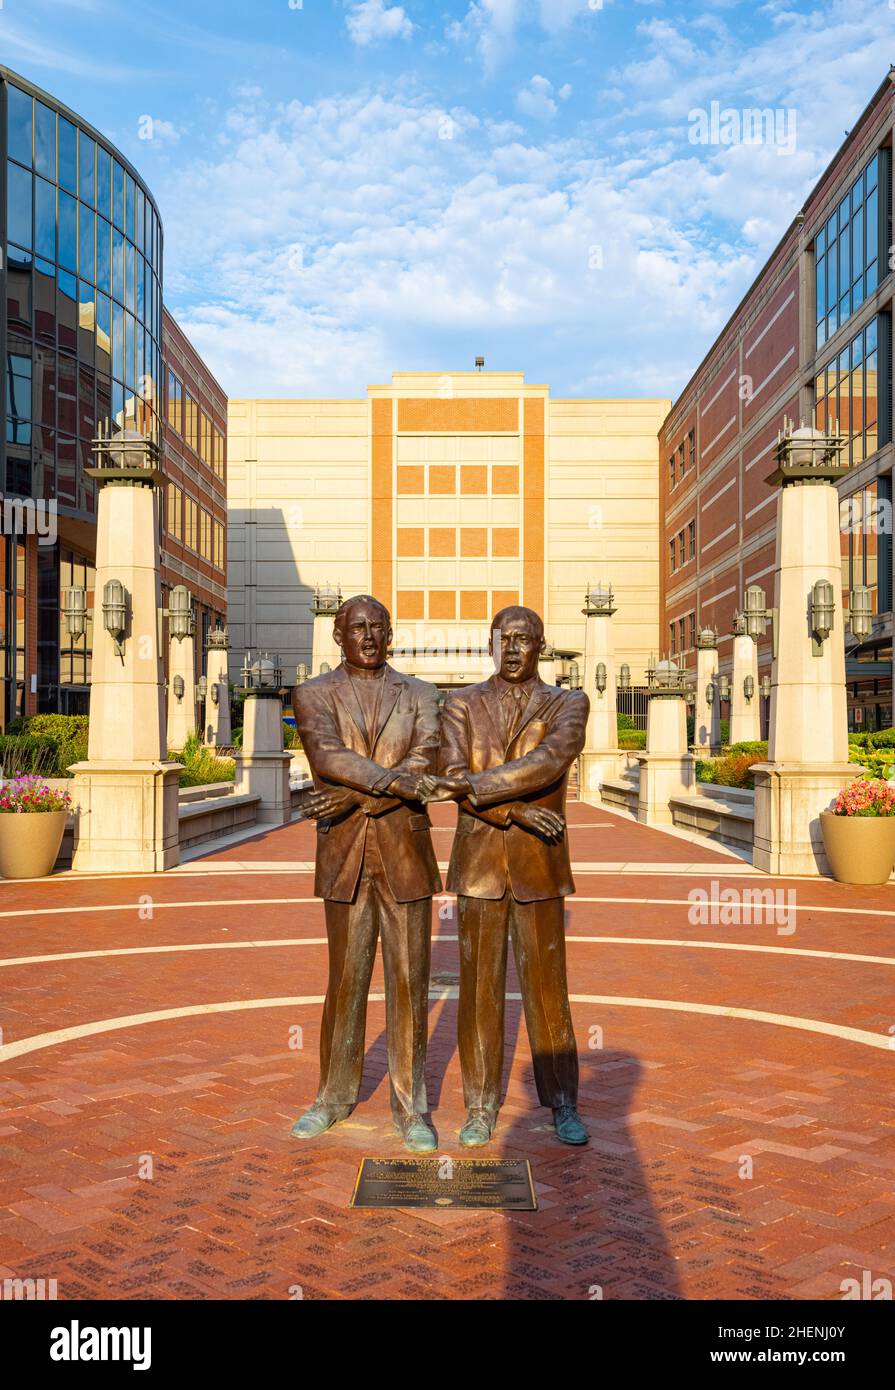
[{"x": 448, "y": 496}]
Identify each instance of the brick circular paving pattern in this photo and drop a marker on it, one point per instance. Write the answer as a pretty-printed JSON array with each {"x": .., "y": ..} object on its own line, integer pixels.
[{"x": 160, "y": 1036}]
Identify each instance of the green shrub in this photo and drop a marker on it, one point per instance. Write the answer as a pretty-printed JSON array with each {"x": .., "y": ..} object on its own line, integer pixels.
[
  {"x": 883, "y": 738},
  {"x": 631, "y": 739},
  {"x": 28, "y": 753},
  {"x": 878, "y": 765},
  {"x": 759, "y": 746},
  {"x": 733, "y": 770},
  {"x": 201, "y": 765},
  {"x": 624, "y": 721},
  {"x": 68, "y": 732},
  {"x": 725, "y": 730}
]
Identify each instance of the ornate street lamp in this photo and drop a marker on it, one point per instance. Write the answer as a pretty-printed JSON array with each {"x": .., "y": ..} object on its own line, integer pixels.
[{"x": 263, "y": 676}]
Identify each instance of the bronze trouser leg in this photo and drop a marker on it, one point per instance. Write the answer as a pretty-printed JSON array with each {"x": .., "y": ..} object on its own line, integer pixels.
[
  {"x": 539, "y": 950},
  {"x": 352, "y": 929},
  {"x": 406, "y": 930},
  {"x": 483, "y": 977}
]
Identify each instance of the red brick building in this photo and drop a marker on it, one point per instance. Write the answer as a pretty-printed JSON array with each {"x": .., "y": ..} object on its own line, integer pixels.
[{"x": 811, "y": 340}]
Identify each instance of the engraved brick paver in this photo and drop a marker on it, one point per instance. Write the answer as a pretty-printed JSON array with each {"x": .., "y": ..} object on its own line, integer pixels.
[{"x": 729, "y": 1158}]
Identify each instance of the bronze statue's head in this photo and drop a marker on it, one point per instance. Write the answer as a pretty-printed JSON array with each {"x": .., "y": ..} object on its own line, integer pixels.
[
  {"x": 363, "y": 630},
  {"x": 517, "y": 640}
]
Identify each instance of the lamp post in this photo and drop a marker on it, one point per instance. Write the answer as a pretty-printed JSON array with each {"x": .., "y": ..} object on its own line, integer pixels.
[
  {"x": 666, "y": 768},
  {"x": 262, "y": 763},
  {"x": 181, "y": 615},
  {"x": 217, "y": 717}
]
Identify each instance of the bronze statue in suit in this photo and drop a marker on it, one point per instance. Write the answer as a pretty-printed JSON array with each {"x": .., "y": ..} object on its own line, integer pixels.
[
  {"x": 506, "y": 749},
  {"x": 371, "y": 735}
]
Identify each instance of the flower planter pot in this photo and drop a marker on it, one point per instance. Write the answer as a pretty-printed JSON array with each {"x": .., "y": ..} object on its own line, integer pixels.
[
  {"x": 861, "y": 849},
  {"x": 29, "y": 842}
]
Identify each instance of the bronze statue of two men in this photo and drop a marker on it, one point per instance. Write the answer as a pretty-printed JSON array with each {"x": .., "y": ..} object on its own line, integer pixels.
[{"x": 378, "y": 753}]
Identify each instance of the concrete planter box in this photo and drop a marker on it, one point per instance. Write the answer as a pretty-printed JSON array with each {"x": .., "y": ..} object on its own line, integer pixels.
[
  {"x": 29, "y": 842},
  {"x": 860, "y": 849}
]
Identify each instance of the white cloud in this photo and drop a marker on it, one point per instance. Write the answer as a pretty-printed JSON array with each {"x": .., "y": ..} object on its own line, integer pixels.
[
  {"x": 374, "y": 21},
  {"x": 536, "y": 99}
]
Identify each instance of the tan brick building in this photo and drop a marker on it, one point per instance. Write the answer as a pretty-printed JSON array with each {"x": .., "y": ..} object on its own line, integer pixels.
[{"x": 448, "y": 496}]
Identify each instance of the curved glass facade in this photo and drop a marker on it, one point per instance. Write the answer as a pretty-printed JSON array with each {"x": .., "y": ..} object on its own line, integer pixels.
[{"x": 83, "y": 244}]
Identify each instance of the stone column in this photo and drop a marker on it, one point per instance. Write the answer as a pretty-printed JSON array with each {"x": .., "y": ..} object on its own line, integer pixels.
[
  {"x": 217, "y": 730},
  {"x": 707, "y": 723},
  {"x": 745, "y": 693},
  {"x": 666, "y": 768},
  {"x": 327, "y": 599},
  {"x": 182, "y": 714},
  {"x": 808, "y": 744},
  {"x": 600, "y": 758},
  {"x": 126, "y": 793},
  {"x": 262, "y": 764}
]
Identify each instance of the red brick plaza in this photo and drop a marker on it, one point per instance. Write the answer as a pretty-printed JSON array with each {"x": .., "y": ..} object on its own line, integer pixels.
[{"x": 160, "y": 1036}]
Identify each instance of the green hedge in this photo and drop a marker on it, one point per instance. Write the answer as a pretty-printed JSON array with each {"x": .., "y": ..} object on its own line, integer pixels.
[
  {"x": 631, "y": 739},
  {"x": 754, "y": 746},
  {"x": 66, "y": 733},
  {"x": 28, "y": 753}
]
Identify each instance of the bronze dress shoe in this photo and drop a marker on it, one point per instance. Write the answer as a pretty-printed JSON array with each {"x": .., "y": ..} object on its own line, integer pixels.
[
  {"x": 567, "y": 1123},
  {"x": 417, "y": 1133},
  {"x": 478, "y": 1128},
  {"x": 317, "y": 1119}
]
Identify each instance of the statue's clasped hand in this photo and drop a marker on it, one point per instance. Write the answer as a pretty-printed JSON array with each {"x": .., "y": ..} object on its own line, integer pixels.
[{"x": 444, "y": 788}]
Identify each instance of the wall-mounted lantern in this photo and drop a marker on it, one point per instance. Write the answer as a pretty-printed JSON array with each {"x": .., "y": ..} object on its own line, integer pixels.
[
  {"x": 325, "y": 668},
  {"x": 602, "y": 678},
  {"x": 180, "y": 613},
  {"x": 624, "y": 676},
  {"x": 710, "y": 693},
  {"x": 574, "y": 676},
  {"x": 115, "y": 613},
  {"x": 215, "y": 693},
  {"x": 757, "y": 615},
  {"x": 766, "y": 687},
  {"x": 202, "y": 687},
  {"x": 724, "y": 688},
  {"x": 179, "y": 687},
  {"x": 860, "y": 612},
  {"x": 823, "y": 609},
  {"x": 75, "y": 613},
  {"x": 749, "y": 688},
  {"x": 301, "y": 673}
]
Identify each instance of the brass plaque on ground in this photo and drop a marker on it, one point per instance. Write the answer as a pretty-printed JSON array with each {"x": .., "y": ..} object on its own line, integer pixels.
[{"x": 495, "y": 1184}]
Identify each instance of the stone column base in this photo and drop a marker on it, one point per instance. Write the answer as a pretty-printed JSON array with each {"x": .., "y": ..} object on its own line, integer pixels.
[
  {"x": 596, "y": 765},
  {"x": 789, "y": 798},
  {"x": 266, "y": 775},
  {"x": 662, "y": 776},
  {"x": 126, "y": 817}
]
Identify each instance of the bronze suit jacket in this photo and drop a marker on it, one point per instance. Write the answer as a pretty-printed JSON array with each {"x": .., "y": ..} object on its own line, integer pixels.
[
  {"x": 342, "y": 754},
  {"x": 489, "y": 851}
]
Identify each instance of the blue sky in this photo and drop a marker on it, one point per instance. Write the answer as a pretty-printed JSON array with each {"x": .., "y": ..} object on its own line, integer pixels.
[{"x": 352, "y": 187}]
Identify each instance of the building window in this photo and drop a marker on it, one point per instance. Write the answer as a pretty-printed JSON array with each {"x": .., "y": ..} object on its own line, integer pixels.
[
  {"x": 191, "y": 422},
  {"x": 847, "y": 249},
  {"x": 691, "y": 540},
  {"x": 682, "y": 628},
  {"x": 681, "y": 461},
  {"x": 691, "y": 449},
  {"x": 175, "y": 512},
  {"x": 681, "y": 551},
  {"x": 672, "y": 552},
  {"x": 672, "y": 632},
  {"x": 672, "y": 470},
  {"x": 692, "y": 621},
  {"x": 866, "y": 531},
  {"x": 846, "y": 393}
]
